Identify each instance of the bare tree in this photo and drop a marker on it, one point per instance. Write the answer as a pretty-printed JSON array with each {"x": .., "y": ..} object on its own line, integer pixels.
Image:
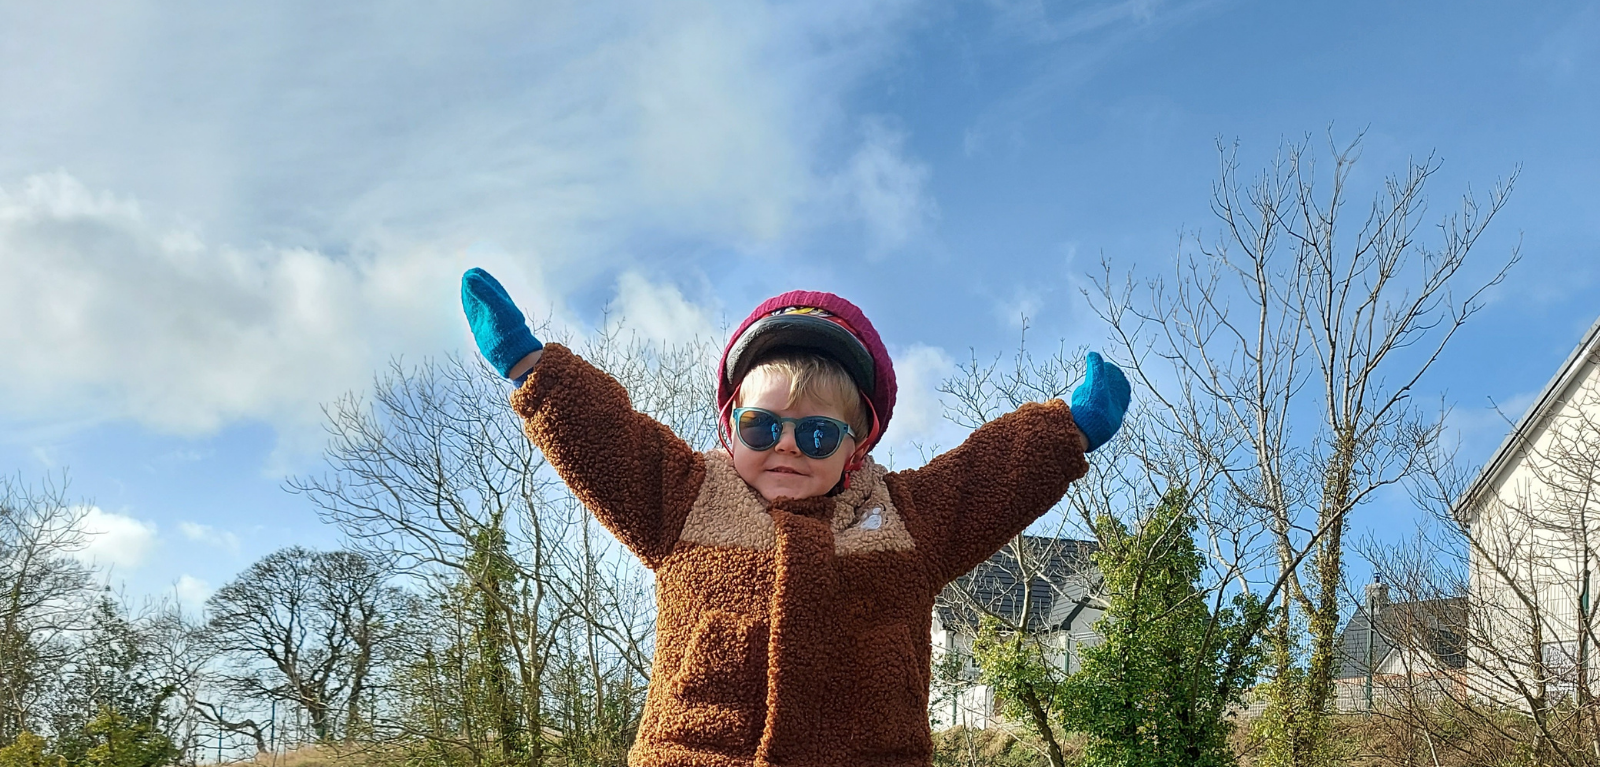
[
  {"x": 114, "y": 686},
  {"x": 1280, "y": 362},
  {"x": 1516, "y": 550},
  {"x": 178, "y": 655},
  {"x": 302, "y": 627},
  {"x": 43, "y": 595},
  {"x": 435, "y": 474}
]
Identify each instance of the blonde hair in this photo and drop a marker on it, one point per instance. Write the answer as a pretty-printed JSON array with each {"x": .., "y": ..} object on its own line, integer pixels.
[{"x": 819, "y": 378}]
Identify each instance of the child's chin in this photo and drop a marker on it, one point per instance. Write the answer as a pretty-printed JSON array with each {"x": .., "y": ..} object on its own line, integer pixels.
[{"x": 786, "y": 488}]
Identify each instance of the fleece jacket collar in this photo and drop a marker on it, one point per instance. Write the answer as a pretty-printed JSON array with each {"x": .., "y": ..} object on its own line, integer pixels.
[{"x": 728, "y": 512}]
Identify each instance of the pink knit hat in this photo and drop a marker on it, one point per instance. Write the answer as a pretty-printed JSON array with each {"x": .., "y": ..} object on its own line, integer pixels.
[{"x": 822, "y": 322}]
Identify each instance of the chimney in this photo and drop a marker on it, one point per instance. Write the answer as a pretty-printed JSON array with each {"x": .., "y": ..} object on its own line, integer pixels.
[
  {"x": 1377, "y": 593},
  {"x": 1377, "y": 600}
]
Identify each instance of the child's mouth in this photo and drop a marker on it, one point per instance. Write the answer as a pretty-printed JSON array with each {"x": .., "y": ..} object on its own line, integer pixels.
[{"x": 784, "y": 470}]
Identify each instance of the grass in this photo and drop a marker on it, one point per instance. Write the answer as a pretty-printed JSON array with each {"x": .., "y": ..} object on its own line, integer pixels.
[{"x": 316, "y": 756}]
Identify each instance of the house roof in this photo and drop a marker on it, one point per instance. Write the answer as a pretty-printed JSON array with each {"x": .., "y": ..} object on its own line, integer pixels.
[
  {"x": 1063, "y": 580},
  {"x": 1433, "y": 625},
  {"x": 1509, "y": 449}
]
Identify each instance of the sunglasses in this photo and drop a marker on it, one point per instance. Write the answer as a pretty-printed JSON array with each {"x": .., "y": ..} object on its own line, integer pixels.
[{"x": 817, "y": 436}]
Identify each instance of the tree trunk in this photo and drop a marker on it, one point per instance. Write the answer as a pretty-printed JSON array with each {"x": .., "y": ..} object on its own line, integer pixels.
[
  {"x": 358, "y": 679},
  {"x": 1041, "y": 722}
]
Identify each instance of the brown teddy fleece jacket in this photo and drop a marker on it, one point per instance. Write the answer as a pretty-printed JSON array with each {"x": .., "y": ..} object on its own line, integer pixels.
[{"x": 795, "y": 633}]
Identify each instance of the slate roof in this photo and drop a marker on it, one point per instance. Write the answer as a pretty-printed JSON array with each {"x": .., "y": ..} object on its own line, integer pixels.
[
  {"x": 1434, "y": 625},
  {"x": 1055, "y": 597}
]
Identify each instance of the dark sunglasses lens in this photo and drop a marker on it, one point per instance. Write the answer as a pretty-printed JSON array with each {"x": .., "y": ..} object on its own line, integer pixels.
[
  {"x": 816, "y": 437},
  {"x": 759, "y": 431}
]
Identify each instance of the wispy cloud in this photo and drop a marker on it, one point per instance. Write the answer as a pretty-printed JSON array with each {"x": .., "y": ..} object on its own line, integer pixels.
[
  {"x": 887, "y": 189},
  {"x": 1568, "y": 47},
  {"x": 557, "y": 129},
  {"x": 209, "y": 536},
  {"x": 1040, "y": 22},
  {"x": 1071, "y": 45}
]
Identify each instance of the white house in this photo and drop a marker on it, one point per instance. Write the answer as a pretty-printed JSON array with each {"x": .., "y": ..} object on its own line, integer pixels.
[
  {"x": 1533, "y": 517},
  {"x": 1048, "y": 585}
]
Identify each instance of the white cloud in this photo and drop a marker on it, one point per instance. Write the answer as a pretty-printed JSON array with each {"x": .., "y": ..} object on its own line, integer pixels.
[
  {"x": 888, "y": 189},
  {"x": 108, "y": 314},
  {"x": 1076, "y": 42},
  {"x": 1022, "y": 308},
  {"x": 660, "y": 312},
  {"x": 210, "y": 536},
  {"x": 919, "y": 428},
  {"x": 288, "y": 197},
  {"x": 919, "y": 370},
  {"x": 1036, "y": 22},
  {"x": 192, "y": 592},
  {"x": 115, "y": 540},
  {"x": 712, "y": 128}
]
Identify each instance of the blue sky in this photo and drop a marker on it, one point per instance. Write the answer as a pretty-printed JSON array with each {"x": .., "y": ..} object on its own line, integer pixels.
[{"x": 214, "y": 219}]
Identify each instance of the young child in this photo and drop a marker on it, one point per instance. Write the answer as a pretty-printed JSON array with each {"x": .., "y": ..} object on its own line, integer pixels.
[{"x": 795, "y": 577}]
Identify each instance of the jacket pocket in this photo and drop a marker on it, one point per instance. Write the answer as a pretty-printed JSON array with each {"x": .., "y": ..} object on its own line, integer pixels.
[
  {"x": 718, "y": 697},
  {"x": 890, "y": 711}
]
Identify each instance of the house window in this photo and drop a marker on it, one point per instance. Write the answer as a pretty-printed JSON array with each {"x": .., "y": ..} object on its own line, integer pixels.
[{"x": 1561, "y": 668}]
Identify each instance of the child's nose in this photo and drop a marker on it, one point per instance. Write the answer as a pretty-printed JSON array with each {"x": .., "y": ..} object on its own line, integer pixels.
[{"x": 786, "y": 441}]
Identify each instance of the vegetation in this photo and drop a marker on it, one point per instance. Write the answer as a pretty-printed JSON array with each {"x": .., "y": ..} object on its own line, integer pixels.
[
  {"x": 86, "y": 682},
  {"x": 1027, "y": 687},
  {"x": 1172, "y": 668},
  {"x": 479, "y": 617},
  {"x": 1277, "y": 372},
  {"x": 1161, "y": 688},
  {"x": 995, "y": 747},
  {"x": 1280, "y": 364}
]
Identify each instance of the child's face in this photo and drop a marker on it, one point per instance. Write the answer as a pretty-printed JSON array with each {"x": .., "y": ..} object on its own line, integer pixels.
[{"x": 783, "y": 471}]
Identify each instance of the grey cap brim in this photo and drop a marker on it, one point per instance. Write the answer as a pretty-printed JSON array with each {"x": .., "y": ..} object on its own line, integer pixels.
[{"x": 800, "y": 331}]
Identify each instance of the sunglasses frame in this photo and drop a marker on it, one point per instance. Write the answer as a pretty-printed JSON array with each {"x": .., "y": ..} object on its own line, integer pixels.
[{"x": 844, "y": 429}]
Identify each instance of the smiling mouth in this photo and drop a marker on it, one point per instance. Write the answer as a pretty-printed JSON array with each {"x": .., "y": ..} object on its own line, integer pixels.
[{"x": 784, "y": 470}]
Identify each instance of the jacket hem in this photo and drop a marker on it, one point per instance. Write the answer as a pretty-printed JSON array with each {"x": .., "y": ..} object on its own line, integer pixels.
[{"x": 673, "y": 755}]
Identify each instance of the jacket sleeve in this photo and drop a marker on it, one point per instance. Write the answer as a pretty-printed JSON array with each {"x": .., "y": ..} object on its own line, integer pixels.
[
  {"x": 636, "y": 476},
  {"x": 965, "y": 504}
]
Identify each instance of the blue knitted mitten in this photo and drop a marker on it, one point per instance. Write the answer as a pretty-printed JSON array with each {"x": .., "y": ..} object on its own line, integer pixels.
[
  {"x": 1099, "y": 403},
  {"x": 497, "y": 325}
]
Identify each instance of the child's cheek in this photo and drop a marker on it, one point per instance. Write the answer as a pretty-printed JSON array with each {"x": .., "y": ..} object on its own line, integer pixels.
[{"x": 747, "y": 463}]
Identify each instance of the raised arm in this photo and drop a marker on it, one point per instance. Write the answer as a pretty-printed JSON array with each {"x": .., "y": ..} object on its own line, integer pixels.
[
  {"x": 965, "y": 504},
  {"x": 637, "y": 477}
]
